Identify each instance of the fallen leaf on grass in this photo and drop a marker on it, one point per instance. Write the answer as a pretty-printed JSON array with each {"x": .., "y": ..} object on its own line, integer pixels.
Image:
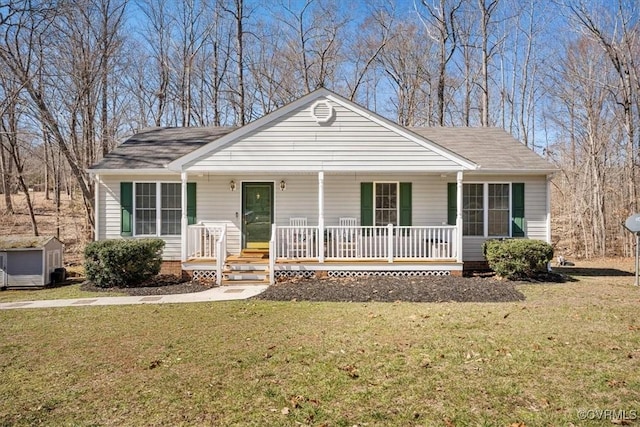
[
  {"x": 285, "y": 411},
  {"x": 621, "y": 422},
  {"x": 154, "y": 364},
  {"x": 351, "y": 370}
]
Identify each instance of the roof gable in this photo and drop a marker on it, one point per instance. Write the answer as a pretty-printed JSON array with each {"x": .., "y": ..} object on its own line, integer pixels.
[{"x": 304, "y": 136}]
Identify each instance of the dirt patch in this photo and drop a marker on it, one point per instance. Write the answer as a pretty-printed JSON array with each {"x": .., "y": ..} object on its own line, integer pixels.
[{"x": 391, "y": 289}]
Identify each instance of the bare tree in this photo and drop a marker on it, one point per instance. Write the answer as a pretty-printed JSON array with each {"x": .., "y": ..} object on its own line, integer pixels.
[{"x": 440, "y": 22}]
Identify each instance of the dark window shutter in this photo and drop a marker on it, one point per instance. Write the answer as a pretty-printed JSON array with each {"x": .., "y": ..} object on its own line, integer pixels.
[
  {"x": 126, "y": 209},
  {"x": 452, "y": 203},
  {"x": 366, "y": 204},
  {"x": 405, "y": 204},
  {"x": 517, "y": 209},
  {"x": 191, "y": 203}
]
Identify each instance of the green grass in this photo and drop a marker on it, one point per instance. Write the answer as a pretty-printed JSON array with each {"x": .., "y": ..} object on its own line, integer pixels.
[
  {"x": 567, "y": 347},
  {"x": 59, "y": 292}
]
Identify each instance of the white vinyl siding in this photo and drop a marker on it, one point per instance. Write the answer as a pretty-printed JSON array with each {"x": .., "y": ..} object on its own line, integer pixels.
[
  {"x": 349, "y": 142},
  {"x": 217, "y": 203},
  {"x": 535, "y": 210},
  {"x": 109, "y": 211}
]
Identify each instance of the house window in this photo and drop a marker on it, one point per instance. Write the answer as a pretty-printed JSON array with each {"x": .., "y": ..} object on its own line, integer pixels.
[
  {"x": 473, "y": 210},
  {"x": 498, "y": 210},
  {"x": 171, "y": 208},
  {"x": 151, "y": 216},
  {"x": 145, "y": 208},
  {"x": 386, "y": 208},
  {"x": 486, "y": 209}
]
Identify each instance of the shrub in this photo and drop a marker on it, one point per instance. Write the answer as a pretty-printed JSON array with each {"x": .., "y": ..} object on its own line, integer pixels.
[
  {"x": 122, "y": 263},
  {"x": 517, "y": 258}
]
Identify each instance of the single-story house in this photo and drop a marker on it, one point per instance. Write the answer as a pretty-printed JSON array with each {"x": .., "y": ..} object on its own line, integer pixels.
[
  {"x": 28, "y": 261},
  {"x": 322, "y": 184}
]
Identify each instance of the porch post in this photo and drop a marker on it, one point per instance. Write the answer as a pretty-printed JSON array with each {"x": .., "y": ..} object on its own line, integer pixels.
[
  {"x": 459, "y": 217},
  {"x": 96, "y": 208},
  {"x": 321, "y": 216},
  {"x": 184, "y": 222}
]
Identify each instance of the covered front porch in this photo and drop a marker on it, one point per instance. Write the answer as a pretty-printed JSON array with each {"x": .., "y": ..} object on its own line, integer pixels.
[
  {"x": 301, "y": 244},
  {"x": 298, "y": 250}
]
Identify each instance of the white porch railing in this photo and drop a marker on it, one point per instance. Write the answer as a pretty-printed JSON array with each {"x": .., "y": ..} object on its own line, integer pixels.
[
  {"x": 296, "y": 242},
  {"x": 367, "y": 243},
  {"x": 203, "y": 239}
]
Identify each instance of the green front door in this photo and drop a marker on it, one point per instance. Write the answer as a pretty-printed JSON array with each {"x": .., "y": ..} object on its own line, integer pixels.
[{"x": 257, "y": 214}]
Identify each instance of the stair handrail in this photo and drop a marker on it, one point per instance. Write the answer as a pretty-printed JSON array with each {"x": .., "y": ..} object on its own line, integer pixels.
[
  {"x": 221, "y": 252},
  {"x": 272, "y": 255}
]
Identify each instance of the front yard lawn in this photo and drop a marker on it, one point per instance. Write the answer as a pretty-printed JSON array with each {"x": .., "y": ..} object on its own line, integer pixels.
[{"x": 566, "y": 352}]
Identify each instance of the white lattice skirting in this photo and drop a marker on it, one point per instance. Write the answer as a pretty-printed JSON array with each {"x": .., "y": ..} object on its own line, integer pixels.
[
  {"x": 204, "y": 275},
  {"x": 288, "y": 274},
  {"x": 340, "y": 273}
]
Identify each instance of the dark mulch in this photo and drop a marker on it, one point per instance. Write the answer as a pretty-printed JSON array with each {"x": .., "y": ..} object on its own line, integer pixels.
[
  {"x": 479, "y": 288},
  {"x": 391, "y": 289},
  {"x": 163, "y": 284}
]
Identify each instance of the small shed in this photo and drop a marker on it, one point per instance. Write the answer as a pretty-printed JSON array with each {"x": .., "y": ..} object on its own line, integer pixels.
[{"x": 28, "y": 261}]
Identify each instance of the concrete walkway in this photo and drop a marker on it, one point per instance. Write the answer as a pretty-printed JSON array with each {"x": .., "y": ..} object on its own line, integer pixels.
[{"x": 224, "y": 293}]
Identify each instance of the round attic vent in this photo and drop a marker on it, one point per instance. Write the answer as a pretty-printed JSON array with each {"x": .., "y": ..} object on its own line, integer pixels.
[{"x": 322, "y": 111}]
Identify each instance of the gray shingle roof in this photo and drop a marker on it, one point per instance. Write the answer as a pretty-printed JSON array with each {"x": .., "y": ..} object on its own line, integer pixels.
[
  {"x": 154, "y": 148},
  {"x": 490, "y": 148}
]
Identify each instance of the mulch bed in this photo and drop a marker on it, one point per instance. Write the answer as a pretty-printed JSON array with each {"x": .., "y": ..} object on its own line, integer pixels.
[
  {"x": 163, "y": 284},
  {"x": 478, "y": 288},
  {"x": 392, "y": 289}
]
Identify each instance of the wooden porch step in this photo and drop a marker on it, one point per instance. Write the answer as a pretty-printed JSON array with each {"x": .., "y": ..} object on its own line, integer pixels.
[
  {"x": 244, "y": 282},
  {"x": 236, "y": 271}
]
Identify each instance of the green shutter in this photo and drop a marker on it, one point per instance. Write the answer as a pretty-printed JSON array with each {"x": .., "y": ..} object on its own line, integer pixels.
[
  {"x": 517, "y": 209},
  {"x": 366, "y": 204},
  {"x": 126, "y": 208},
  {"x": 191, "y": 203},
  {"x": 405, "y": 204},
  {"x": 452, "y": 203}
]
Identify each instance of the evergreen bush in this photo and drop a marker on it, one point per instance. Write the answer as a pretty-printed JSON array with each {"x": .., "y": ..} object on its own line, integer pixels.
[
  {"x": 517, "y": 258},
  {"x": 122, "y": 263}
]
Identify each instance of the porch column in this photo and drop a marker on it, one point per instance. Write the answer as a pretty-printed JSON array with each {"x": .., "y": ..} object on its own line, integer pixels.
[
  {"x": 321, "y": 216},
  {"x": 459, "y": 217},
  {"x": 96, "y": 209},
  {"x": 184, "y": 222}
]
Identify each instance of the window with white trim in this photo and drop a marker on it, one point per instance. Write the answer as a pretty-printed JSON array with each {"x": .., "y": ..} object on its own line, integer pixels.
[
  {"x": 151, "y": 216},
  {"x": 486, "y": 209},
  {"x": 498, "y": 210},
  {"x": 473, "y": 210},
  {"x": 171, "y": 210},
  {"x": 386, "y": 203},
  {"x": 145, "y": 212}
]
